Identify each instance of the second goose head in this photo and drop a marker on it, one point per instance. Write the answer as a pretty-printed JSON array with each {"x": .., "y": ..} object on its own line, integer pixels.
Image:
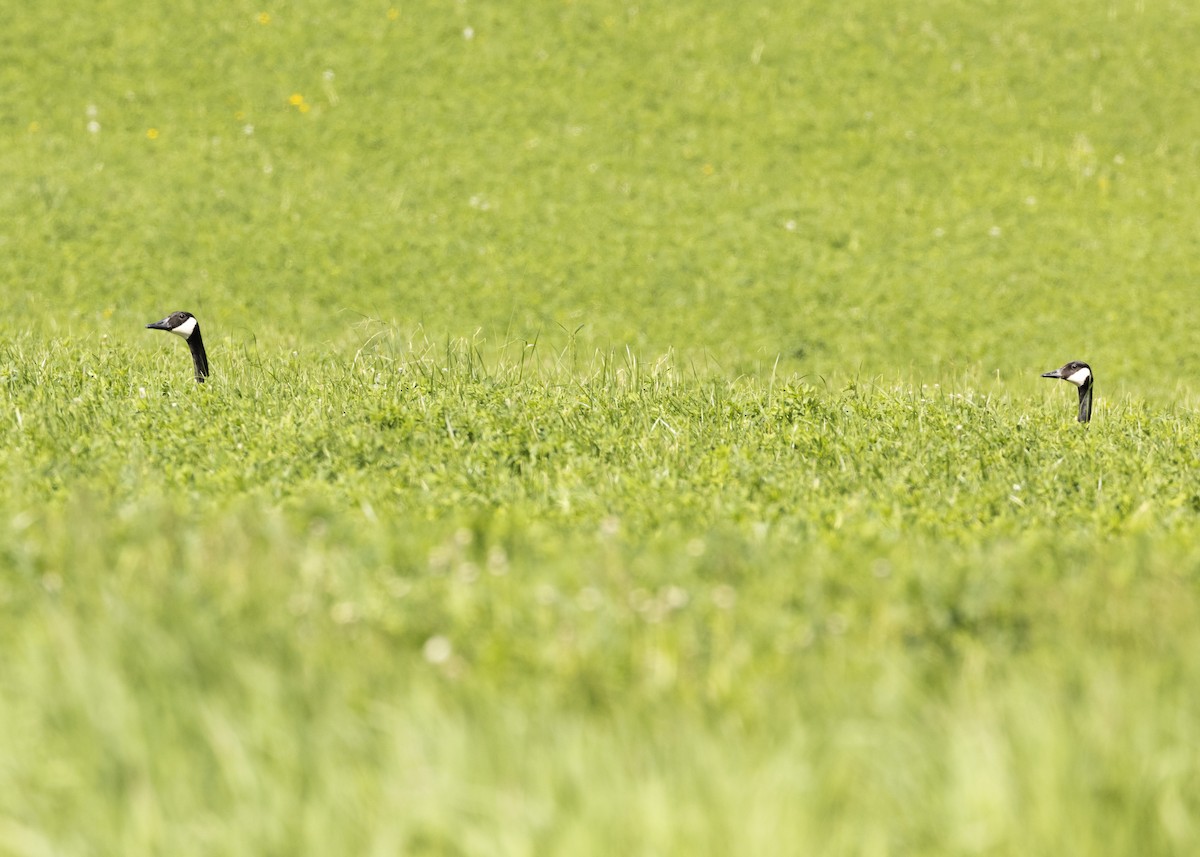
[
  {"x": 1079, "y": 374},
  {"x": 184, "y": 324}
]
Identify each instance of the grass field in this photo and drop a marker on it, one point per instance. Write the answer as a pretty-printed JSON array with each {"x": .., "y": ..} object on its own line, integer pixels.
[{"x": 625, "y": 433}]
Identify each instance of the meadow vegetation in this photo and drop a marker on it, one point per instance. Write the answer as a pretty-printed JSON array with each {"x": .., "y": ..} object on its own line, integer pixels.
[{"x": 624, "y": 434}]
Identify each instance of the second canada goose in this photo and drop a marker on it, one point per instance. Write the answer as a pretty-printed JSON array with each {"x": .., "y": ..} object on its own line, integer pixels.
[
  {"x": 184, "y": 324},
  {"x": 1079, "y": 374}
]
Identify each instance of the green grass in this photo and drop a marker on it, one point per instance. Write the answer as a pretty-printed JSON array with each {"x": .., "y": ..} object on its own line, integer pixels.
[{"x": 624, "y": 438}]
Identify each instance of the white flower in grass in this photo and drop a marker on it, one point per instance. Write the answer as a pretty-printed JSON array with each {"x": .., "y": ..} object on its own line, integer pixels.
[
  {"x": 724, "y": 596},
  {"x": 497, "y": 560},
  {"x": 589, "y": 599},
  {"x": 437, "y": 650},
  {"x": 675, "y": 597}
]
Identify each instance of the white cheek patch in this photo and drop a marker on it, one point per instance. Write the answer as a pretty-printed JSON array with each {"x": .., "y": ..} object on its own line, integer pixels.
[
  {"x": 185, "y": 329},
  {"x": 1080, "y": 376}
]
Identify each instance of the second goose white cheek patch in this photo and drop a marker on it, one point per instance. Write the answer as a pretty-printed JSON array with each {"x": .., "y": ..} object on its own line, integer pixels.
[
  {"x": 1078, "y": 378},
  {"x": 185, "y": 329}
]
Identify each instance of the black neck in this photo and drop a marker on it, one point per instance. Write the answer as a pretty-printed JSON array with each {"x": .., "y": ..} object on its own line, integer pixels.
[
  {"x": 200, "y": 358},
  {"x": 1085, "y": 401}
]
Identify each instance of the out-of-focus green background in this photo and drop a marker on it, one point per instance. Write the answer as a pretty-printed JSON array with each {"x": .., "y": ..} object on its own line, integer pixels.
[{"x": 856, "y": 188}]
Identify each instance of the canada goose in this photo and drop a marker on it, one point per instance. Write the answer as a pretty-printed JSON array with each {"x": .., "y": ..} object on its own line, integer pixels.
[
  {"x": 1079, "y": 374},
  {"x": 184, "y": 324}
]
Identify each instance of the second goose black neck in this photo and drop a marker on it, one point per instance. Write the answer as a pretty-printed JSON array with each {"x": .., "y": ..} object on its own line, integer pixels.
[{"x": 199, "y": 356}]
